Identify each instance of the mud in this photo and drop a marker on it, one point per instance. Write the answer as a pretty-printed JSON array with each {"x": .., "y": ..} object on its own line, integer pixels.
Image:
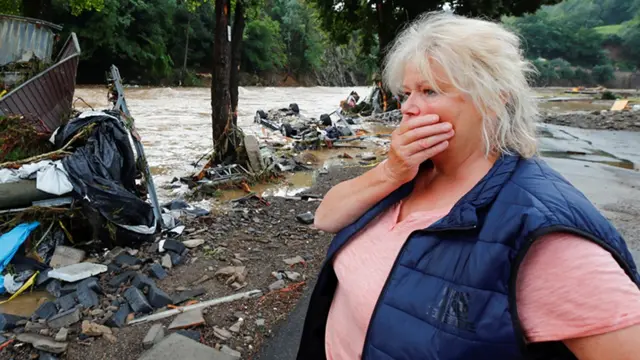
[{"x": 604, "y": 120}]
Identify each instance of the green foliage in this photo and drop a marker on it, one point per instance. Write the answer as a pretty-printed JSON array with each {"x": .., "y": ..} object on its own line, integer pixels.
[
  {"x": 603, "y": 73},
  {"x": 263, "y": 49},
  {"x": 608, "y": 95},
  {"x": 631, "y": 39}
]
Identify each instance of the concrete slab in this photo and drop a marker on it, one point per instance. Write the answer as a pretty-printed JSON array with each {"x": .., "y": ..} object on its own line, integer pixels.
[
  {"x": 77, "y": 272},
  {"x": 180, "y": 347},
  {"x": 187, "y": 319}
]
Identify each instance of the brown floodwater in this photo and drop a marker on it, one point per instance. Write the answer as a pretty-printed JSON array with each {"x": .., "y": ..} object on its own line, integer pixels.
[{"x": 25, "y": 304}]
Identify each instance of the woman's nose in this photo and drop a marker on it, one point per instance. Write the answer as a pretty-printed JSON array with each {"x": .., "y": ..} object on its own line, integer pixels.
[{"x": 409, "y": 107}]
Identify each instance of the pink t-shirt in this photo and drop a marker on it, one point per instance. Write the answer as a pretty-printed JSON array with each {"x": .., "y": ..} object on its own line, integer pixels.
[{"x": 567, "y": 287}]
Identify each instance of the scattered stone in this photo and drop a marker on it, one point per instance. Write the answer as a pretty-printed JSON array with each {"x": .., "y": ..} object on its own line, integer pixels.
[
  {"x": 43, "y": 343},
  {"x": 279, "y": 275},
  {"x": 222, "y": 334},
  {"x": 292, "y": 275},
  {"x": 237, "y": 286},
  {"x": 368, "y": 156},
  {"x": 45, "y": 311},
  {"x": 166, "y": 261},
  {"x": 53, "y": 288},
  {"x": 62, "y": 335},
  {"x": 65, "y": 319},
  {"x": 65, "y": 256},
  {"x": 118, "y": 280},
  {"x": 181, "y": 347},
  {"x": 119, "y": 319},
  {"x": 154, "y": 336},
  {"x": 229, "y": 351},
  {"x": 183, "y": 296},
  {"x": 156, "y": 270},
  {"x": 9, "y": 322},
  {"x": 158, "y": 298},
  {"x": 236, "y": 327},
  {"x": 306, "y": 218},
  {"x": 260, "y": 322},
  {"x": 187, "y": 319},
  {"x": 34, "y": 326},
  {"x": 211, "y": 268},
  {"x": 137, "y": 301},
  {"x": 126, "y": 259},
  {"x": 191, "y": 334},
  {"x": 142, "y": 282},
  {"x": 77, "y": 272},
  {"x": 175, "y": 258},
  {"x": 203, "y": 279},
  {"x": 43, "y": 278},
  {"x": 87, "y": 297},
  {"x": 67, "y": 302},
  {"x": 97, "y": 312},
  {"x": 93, "y": 329},
  {"x": 294, "y": 260},
  {"x": 191, "y": 244},
  {"x": 280, "y": 284},
  {"x": 45, "y": 332},
  {"x": 172, "y": 245}
]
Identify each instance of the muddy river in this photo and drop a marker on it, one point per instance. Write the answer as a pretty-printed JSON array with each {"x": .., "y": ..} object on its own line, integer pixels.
[{"x": 176, "y": 130}]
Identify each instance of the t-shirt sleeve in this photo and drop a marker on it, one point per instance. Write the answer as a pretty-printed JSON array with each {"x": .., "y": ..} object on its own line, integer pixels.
[{"x": 569, "y": 287}]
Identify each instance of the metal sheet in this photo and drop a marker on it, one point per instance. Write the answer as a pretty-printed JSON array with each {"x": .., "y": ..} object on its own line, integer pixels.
[
  {"x": 22, "y": 38},
  {"x": 46, "y": 99}
]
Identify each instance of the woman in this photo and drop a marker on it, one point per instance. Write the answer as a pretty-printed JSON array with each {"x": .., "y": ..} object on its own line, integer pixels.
[{"x": 429, "y": 259}]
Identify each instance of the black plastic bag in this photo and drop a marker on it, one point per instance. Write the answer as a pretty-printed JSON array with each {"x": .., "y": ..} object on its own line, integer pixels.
[{"x": 103, "y": 173}]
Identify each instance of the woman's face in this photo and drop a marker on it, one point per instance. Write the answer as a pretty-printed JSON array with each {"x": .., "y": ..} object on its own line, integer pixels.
[{"x": 451, "y": 106}]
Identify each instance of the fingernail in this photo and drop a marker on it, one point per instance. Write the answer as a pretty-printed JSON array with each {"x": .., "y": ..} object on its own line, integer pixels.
[
  {"x": 434, "y": 117},
  {"x": 448, "y": 125}
]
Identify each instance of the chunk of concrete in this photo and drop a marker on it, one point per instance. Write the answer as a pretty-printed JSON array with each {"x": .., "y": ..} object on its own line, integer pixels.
[
  {"x": 154, "y": 336},
  {"x": 183, "y": 296},
  {"x": 64, "y": 256},
  {"x": 122, "y": 278},
  {"x": 252, "y": 147},
  {"x": 158, "y": 298},
  {"x": 137, "y": 301},
  {"x": 172, "y": 245},
  {"x": 67, "y": 302},
  {"x": 45, "y": 311},
  {"x": 235, "y": 354},
  {"x": 175, "y": 258},
  {"x": 65, "y": 319},
  {"x": 87, "y": 297},
  {"x": 157, "y": 271},
  {"x": 9, "y": 322},
  {"x": 126, "y": 259},
  {"x": 187, "y": 319},
  {"x": 166, "y": 261},
  {"x": 93, "y": 329},
  {"x": 119, "y": 319},
  {"x": 191, "y": 334},
  {"x": 306, "y": 218},
  {"x": 43, "y": 343},
  {"x": 142, "y": 282},
  {"x": 191, "y": 244},
  {"x": 181, "y": 347},
  {"x": 77, "y": 272},
  {"x": 62, "y": 335}
]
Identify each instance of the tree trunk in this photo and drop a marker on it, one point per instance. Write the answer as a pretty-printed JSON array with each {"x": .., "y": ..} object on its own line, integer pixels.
[
  {"x": 223, "y": 131},
  {"x": 236, "y": 56},
  {"x": 186, "y": 49},
  {"x": 385, "y": 33}
]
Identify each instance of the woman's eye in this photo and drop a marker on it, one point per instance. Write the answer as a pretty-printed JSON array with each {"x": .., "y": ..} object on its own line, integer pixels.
[{"x": 428, "y": 92}]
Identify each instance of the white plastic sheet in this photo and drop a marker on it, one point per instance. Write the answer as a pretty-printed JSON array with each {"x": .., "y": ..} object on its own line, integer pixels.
[{"x": 50, "y": 176}]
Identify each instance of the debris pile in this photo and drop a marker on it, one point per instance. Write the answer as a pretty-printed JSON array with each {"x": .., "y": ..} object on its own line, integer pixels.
[{"x": 603, "y": 120}]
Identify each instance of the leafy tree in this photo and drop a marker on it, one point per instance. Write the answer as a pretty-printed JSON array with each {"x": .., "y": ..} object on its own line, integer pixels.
[
  {"x": 603, "y": 73},
  {"x": 631, "y": 39},
  {"x": 263, "y": 49},
  {"x": 383, "y": 18}
]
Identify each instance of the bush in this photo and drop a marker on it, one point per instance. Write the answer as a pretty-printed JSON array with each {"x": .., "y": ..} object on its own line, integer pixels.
[
  {"x": 608, "y": 95},
  {"x": 603, "y": 73}
]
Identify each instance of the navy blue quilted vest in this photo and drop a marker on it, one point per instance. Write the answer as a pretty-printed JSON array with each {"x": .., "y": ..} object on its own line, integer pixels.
[{"x": 450, "y": 294}]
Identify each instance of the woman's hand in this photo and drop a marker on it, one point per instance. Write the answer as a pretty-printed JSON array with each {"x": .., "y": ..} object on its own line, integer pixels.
[{"x": 413, "y": 142}]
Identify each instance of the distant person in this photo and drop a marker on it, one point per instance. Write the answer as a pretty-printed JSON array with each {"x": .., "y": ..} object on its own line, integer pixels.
[{"x": 463, "y": 244}]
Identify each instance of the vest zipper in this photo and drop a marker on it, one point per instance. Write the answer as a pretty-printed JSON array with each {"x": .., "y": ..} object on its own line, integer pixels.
[{"x": 365, "y": 352}]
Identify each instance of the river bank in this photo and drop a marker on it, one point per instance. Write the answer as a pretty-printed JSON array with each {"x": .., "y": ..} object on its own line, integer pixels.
[{"x": 601, "y": 120}]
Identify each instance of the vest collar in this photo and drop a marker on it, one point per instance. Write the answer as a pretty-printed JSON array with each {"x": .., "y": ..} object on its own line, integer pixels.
[{"x": 464, "y": 212}]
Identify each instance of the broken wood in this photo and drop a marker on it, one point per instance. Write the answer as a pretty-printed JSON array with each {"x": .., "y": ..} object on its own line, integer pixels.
[{"x": 202, "y": 305}]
